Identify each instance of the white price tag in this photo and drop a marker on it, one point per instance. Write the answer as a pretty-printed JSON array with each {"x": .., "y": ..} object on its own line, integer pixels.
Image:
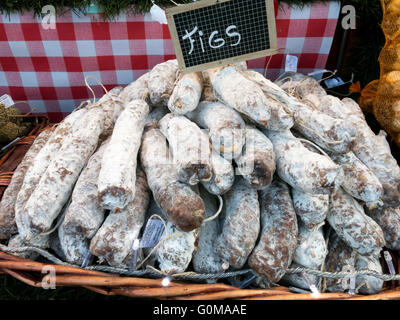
[
  {"x": 291, "y": 63},
  {"x": 389, "y": 262},
  {"x": 333, "y": 82},
  {"x": 6, "y": 100},
  {"x": 314, "y": 73},
  {"x": 152, "y": 233},
  {"x": 158, "y": 14}
]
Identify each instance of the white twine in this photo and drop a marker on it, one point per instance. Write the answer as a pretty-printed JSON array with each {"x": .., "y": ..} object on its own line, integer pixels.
[{"x": 177, "y": 234}]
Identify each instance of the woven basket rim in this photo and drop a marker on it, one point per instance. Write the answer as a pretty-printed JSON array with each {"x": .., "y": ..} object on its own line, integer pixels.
[{"x": 30, "y": 272}]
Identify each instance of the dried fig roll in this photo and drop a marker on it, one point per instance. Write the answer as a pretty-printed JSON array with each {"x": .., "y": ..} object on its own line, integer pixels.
[
  {"x": 276, "y": 92},
  {"x": 311, "y": 209},
  {"x": 74, "y": 246},
  {"x": 186, "y": 94},
  {"x": 183, "y": 207},
  {"x": 368, "y": 284},
  {"x": 242, "y": 65},
  {"x": 335, "y": 135},
  {"x": 116, "y": 184},
  {"x": 281, "y": 115},
  {"x": 340, "y": 258},
  {"x": 257, "y": 162},
  {"x": 137, "y": 90},
  {"x": 175, "y": 253},
  {"x": 239, "y": 66},
  {"x": 225, "y": 127},
  {"x": 332, "y": 106},
  {"x": 56, "y": 184},
  {"x": 84, "y": 215},
  {"x": 299, "y": 84},
  {"x": 176, "y": 248},
  {"x": 311, "y": 248},
  {"x": 190, "y": 148},
  {"x": 332, "y": 134},
  {"x": 276, "y": 246},
  {"x": 114, "y": 240},
  {"x": 346, "y": 216},
  {"x": 346, "y": 109},
  {"x": 353, "y": 108},
  {"x": 161, "y": 82},
  {"x": 301, "y": 168},
  {"x": 358, "y": 180},
  {"x": 16, "y": 241},
  {"x": 240, "y": 94},
  {"x": 241, "y": 224},
  {"x": 389, "y": 221},
  {"x": 204, "y": 259},
  {"x": 374, "y": 151},
  {"x": 312, "y": 101},
  {"x": 7, "y": 204},
  {"x": 112, "y": 105},
  {"x": 41, "y": 241},
  {"x": 223, "y": 175},
  {"x": 41, "y": 162}
]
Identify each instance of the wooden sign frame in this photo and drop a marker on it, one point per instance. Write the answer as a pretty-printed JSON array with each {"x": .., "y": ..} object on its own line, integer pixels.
[{"x": 269, "y": 4}]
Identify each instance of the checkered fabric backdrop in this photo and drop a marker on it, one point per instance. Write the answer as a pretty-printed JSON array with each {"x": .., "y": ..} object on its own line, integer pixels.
[{"x": 47, "y": 68}]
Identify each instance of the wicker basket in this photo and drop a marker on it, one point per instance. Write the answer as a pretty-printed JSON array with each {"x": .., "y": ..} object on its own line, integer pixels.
[
  {"x": 13, "y": 156},
  {"x": 30, "y": 272}
]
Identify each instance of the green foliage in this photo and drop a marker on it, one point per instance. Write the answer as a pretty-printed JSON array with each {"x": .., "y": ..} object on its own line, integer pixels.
[{"x": 110, "y": 8}]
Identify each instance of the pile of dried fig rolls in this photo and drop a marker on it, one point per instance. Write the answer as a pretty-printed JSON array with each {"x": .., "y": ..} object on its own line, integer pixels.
[{"x": 303, "y": 180}]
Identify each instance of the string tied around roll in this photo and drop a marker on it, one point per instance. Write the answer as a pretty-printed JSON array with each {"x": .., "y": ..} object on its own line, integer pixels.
[
  {"x": 177, "y": 234},
  {"x": 88, "y": 103}
]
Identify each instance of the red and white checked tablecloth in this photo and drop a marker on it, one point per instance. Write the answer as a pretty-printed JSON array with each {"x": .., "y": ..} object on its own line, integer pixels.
[{"x": 47, "y": 68}]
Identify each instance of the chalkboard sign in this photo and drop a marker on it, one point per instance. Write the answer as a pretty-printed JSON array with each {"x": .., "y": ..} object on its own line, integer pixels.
[{"x": 211, "y": 33}]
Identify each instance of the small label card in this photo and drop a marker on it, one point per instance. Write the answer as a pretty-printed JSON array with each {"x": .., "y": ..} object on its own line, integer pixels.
[
  {"x": 333, "y": 82},
  {"x": 291, "y": 63},
  {"x": 6, "y": 100},
  {"x": 152, "y": 233}
]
